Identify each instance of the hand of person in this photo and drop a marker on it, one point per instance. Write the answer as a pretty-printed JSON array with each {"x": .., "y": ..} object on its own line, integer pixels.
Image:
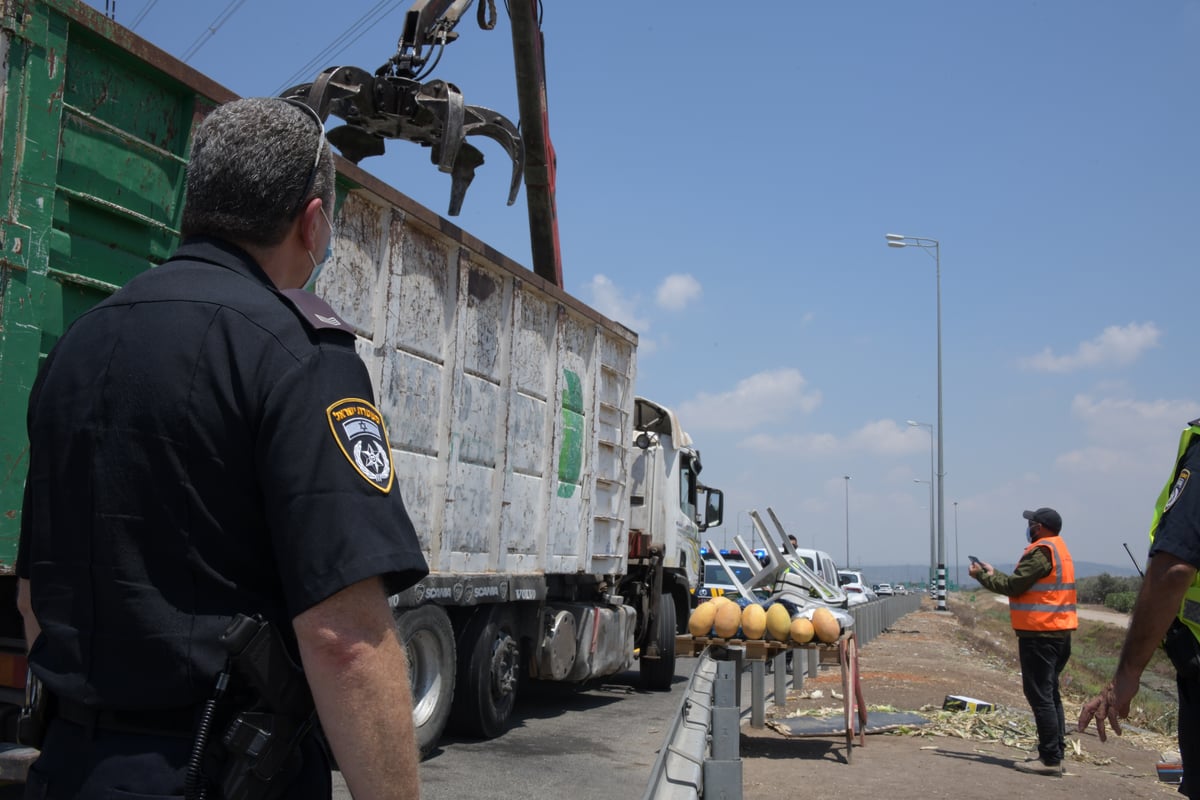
[
  {"x": 975, "y": 568},
  {"x": 1106, "y": 707}
]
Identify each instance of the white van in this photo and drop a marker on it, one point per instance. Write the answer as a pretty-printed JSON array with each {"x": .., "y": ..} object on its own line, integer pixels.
[{"x": 821, "y": 563}]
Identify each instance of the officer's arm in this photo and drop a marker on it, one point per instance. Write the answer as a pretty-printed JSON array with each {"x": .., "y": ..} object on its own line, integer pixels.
[
  {"x": 1167, "y": 578},
  {"x": 25, "y": 606},
  {"x": 358, "y": 673}
]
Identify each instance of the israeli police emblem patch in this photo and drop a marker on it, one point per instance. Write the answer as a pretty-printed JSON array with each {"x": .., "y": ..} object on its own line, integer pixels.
[
  {"x": 360, "y": 433},
  {"x": 1177, "y": 489}
]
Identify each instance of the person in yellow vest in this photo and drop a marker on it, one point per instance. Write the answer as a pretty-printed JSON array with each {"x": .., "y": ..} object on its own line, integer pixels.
[
  {"x": 1041, "y": 604},
  {"x": 1167, "y": 612}
]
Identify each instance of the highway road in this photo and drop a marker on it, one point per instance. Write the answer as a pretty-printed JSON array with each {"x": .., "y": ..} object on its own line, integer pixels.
[{"x": 596, "y": 743}]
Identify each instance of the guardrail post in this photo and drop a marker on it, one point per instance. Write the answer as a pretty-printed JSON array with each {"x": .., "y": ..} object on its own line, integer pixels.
[
  {"x": 723, "y": 771},
  {"x": 758, "y": 712},
  {"x": 780, "y": 669}
]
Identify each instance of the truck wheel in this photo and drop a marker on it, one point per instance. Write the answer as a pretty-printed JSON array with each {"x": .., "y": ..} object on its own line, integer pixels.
[
  {"x": 489, "y": 669},
  {"x": 658, "y": 673},
  {"x": 428, "y": 640}
]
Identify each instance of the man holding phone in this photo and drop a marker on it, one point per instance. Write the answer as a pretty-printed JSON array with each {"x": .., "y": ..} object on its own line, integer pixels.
[{"x": 1041, "y": 592}]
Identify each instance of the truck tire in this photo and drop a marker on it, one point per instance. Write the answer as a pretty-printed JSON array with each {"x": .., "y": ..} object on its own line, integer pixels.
[
  {"x": 489, "y": 670},
  {"x": 658, "y": 673},
  {"x": 428, "y": 639}
]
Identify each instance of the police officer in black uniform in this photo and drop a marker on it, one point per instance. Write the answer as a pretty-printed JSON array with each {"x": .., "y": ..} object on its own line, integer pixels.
[
  {"x": 204, "y": 444},
  {"x": 1166, "y": 614}
]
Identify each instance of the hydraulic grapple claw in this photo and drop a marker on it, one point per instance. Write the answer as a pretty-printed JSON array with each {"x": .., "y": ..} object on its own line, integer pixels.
[{"x": 380, "y": 107}]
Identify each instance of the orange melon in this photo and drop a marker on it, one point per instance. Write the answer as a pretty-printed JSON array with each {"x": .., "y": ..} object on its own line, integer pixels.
[
  {"x": 727, "y": 620},
  {"x": 754, "y": 621},
  {"x": 701, "y": 621},
  {"x": 825, "y": 625},
  {"x": 801, "y": 630}
]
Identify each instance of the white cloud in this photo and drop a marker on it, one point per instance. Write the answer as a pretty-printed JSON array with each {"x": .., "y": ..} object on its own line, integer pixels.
[
  {"x": 762, "y": 398},
  {"x": 1114, "y": 346},
  {"x": 1126, "y": 437},
  {"x": 882, "y": 437},
  {"x": 798, "y": 444},
  {"x": 610, "y": 301},
  {"x": 676, "y": 291}
]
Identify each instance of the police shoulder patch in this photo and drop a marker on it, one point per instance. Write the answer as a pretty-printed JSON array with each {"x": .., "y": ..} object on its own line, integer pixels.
[
  {"x": 358, "y": 428},
  {"x": 1177, "y": 489}
]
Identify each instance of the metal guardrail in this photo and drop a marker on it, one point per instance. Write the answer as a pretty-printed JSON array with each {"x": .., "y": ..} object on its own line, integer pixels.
[
  {"x": 702, "y": 740},
  {"x": 678, "y": 771}
]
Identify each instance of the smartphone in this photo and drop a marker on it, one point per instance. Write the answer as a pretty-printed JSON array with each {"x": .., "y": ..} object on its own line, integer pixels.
[{"x": 974, "y": 560}]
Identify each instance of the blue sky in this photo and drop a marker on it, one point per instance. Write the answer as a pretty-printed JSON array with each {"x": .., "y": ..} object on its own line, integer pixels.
[{"x": 726, "y": 175}]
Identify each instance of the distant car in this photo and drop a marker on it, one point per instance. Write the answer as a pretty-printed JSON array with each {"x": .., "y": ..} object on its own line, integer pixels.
[
  {"x": 885, "y": 590},
  {"x": 849, "y": 579},
  {"x": 856, "y": 594},
  {"x": 901, "y": 588}
]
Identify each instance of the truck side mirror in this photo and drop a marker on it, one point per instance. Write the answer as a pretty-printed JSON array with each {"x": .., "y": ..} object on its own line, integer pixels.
[{"x": 714, "y": 508}]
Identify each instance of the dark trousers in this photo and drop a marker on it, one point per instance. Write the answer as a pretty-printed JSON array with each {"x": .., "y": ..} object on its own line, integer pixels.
[
  {"x": 80, "y": 763},
  {"x": 1189, "y": 734},
  {"x": 1042, "y": 661}
]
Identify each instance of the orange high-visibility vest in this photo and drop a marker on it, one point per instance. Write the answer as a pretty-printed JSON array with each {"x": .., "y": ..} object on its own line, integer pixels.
[{"x": 1048, "y": 605}]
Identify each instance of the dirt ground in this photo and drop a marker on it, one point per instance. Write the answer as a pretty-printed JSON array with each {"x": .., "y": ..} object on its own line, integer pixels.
[{"x": 912, "y": 667}]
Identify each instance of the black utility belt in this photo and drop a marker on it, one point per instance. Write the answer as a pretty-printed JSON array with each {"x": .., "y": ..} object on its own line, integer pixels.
[{"x": 180, "y": 722}]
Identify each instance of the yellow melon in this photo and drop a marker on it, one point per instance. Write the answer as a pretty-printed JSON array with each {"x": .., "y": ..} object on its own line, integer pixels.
[
  {"x": 801, "y": 630},
  {"x": 779, "y": 621},
  {"x": 754, "y": 621},
  {"x": 701, "y": 621},
  {"x": 728, "y": 620},
  {"x": 721, "y": 600},
  {"x": 825, "y": 625}
]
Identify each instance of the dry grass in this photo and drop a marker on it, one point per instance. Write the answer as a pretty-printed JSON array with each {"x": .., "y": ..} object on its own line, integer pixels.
[{"x": 1094, "y": 649}]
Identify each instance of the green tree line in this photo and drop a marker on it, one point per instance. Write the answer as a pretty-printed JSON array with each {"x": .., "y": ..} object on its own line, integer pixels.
[{"x": 1109, "y": 591}]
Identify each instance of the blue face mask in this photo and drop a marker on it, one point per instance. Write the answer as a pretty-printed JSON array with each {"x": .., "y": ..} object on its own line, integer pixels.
[
  {"x": 1029, "y": 533},
  {"x": 318, "y": 266}
]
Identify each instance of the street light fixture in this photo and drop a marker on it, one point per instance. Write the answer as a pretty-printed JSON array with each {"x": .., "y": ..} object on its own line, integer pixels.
[
  {"x": 900, "y": 240},
  {"x": 932, "y": 537},
  {"x": 847, "y": 477}
]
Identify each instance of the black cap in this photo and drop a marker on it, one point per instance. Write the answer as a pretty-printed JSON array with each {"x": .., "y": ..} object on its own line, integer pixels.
[{"x": 1047, "y": 517}]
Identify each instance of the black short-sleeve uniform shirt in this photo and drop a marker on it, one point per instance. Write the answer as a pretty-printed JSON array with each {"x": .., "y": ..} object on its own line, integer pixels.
[
  {"x": 200, "y": 446},
  {"x": 1179, "y": 529}
]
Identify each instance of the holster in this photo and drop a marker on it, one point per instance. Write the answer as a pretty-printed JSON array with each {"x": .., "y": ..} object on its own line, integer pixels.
[
  {"x": 36, "y": 713},
  {"x": 257, "y": 753},
  {"x": 1183, "y": 650}
]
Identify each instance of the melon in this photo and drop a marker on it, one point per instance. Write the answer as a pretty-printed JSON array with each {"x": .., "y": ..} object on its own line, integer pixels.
[
  {"x": 701, "y": 621},
  {"x": 754, "y": 621},
  {"x": 727, "y": 620},
  {"x": 721, "y": 601},
  {"x": 779, "y": 621},
  {"x": 801, "y": 630},
  {"x": 825, "y": 625}
]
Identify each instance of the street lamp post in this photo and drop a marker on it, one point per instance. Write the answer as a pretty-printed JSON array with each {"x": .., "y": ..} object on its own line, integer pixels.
[
  {"x": 899, "y": 240},
  {"x": 847, "y": 477},
  {"x": 932, "y": 536},
  {"x": 957, "y": 561}
]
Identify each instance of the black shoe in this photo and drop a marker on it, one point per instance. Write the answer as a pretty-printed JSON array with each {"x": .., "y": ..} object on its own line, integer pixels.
[{"x": 1036, "y": 766}]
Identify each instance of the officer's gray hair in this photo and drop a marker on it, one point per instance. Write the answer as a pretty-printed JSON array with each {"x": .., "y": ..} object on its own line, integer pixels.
[{"x": 251, "y": 171}]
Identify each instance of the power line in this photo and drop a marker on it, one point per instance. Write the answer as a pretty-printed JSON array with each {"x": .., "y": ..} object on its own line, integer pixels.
[
  {"x": 142, "y": 15},
  {"x": 339, "y": 45},
  {"x": 211, "y": 30}
]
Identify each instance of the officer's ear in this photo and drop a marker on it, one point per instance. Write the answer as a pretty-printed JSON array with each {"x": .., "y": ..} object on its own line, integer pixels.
[{"x": 312, "y": 226}]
